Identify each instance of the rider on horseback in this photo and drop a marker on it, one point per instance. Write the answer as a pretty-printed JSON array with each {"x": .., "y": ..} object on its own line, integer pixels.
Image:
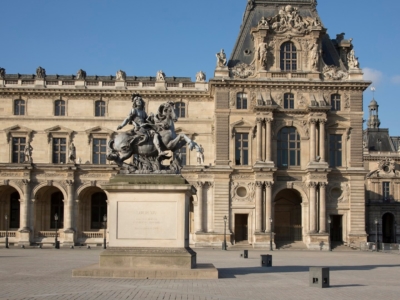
[{"x": 143, "y": 125}]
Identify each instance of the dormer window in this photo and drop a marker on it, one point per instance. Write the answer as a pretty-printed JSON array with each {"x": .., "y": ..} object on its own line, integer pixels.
[{"x": 288, "y": 57}]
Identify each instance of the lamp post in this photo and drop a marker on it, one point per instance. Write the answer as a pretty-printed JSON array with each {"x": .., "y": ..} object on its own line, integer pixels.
[
  {"x": 395, "y": 232},
  {"x": 270, "y": 236},
  {"x": 376, "y": 237},
  {"x": 105, "y": 230},
  {"x": 329, "y": 230},
  {"x": 224, "y": 244},
  {"x": 6, "y": 217},
  {"x": 56, "y": 246}
]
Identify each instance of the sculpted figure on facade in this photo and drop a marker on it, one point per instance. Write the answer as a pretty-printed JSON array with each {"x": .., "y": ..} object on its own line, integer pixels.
[
  {"x": 200, "y": 155},
  {"x": 385, "y": 168},
  {"x": 314, "y": 56},
  {"x": 72, "y": 152},
  {"x": 81, "y": 74},
  {"x": 149, "y": 140},
  {"x": 334, "y": 73},
  {"x": 2, "y": 72},
  {"x": 120, "y": 76},
  {"x": 352, "y": 60},
  {"x": 160, "y": 76},
  {"x": 28, "y": 153},
  {"x": 200, "y": 76},
  {"x": 250, "y": 4},
  {"x": 243, "y": 70},
  {"x": 263, "y": 22},
  {"x": 221, "y": 59},
  {"x": 40, "y": 73},
  {"x": 262, "y": 54}
]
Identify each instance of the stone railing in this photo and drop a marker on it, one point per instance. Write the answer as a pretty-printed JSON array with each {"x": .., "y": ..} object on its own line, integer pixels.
[
  {"x": 11, "y": 234},
  {"x": 92, "y": 234},
  {"x": 50, "y": 234}
]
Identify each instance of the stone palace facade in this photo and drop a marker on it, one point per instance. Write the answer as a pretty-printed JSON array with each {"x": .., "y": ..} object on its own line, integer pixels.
[{"x": 281, "y": 125}]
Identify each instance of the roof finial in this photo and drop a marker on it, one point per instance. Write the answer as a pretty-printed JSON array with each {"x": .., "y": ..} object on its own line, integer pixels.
[{"x": 373, "y": 92}]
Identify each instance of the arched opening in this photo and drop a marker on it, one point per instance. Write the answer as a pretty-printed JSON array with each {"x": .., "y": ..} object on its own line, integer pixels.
[
  {"x": 288, "y": 57},
  {"x": 49, "y": 201},
  {"x": 10, "y": 206},
  {"x": 388, "y": 228},
  {"x": 91, "y": 208},
  {"x": 287, "y": 217}
]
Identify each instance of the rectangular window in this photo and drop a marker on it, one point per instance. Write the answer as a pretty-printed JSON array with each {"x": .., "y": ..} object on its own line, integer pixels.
[
  {"x": 386, "y": 191},
  {"x": 288, "y": 101},
  {"x": 335, "y": 102},
  {"x": 100, "y": 108},
  {"x": 335, "y": 150},
  {"x": 19, "y": 107},
  {"x": 99, "y": 151},
  {"x": 59, "y": 150},
  {"x": 182, "y": 153},
  {"x": 242, "y": 149},
  {"x": 241, "y": 101},
  {"x": 18, "y": 146}
]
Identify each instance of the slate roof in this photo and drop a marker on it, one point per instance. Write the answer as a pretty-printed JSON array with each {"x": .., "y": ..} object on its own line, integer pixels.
[
  {"x": 378, "y": 139},
  {"x": 269, "y": 9}
]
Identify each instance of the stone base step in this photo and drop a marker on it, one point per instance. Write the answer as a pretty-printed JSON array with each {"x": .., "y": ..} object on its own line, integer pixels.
[{"x": 202, "y": 271}]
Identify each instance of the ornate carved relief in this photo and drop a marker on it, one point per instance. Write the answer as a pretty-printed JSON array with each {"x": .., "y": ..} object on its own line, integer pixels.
[
  {"x": 386, "y": 168},
  {"x": 338, "y": 192},
  {"x": 243, "y": 191},
  {"x": 334, "y": 73},
  {"x": 243, "y": 70}
]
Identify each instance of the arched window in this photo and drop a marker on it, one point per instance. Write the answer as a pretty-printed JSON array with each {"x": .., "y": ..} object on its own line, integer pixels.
[
  {"x": 241, "y": 101},
  {"x": 180, "y": 109},
  {"x": 288, "y": 101},
  {"x": 57, "y": 207},
  {"x": 288, "y": 147},
  {"x": 19, "y": 107},
  {"x": 59, "y": 108},
  {"x": 100, "y": 108},
  {"x": 288, "y": 57},
  {"x": 98, "y": 210},
  {"x": 14, "y": 210},
  {"x": 335, "y": 102}
]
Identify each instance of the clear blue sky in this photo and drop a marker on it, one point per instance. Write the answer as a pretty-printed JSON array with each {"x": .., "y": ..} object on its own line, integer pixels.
[{"x": 181, "y": 37}]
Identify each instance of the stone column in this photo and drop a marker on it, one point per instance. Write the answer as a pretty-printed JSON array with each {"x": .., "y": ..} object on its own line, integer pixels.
[
  {"x": 24, "y": 216},
  {"x": 268, "y": 205},
  {"x": 322, "y": 140},
  {"x": 210, "y": 210},
  {"x": 259, "y": 214},
  {"x": 199, "y": 214},
  {"x": 268, "y": 145},
  {"x": 259, "y": 139},
  {"x": 322, "y": 207},
  {"x": 312, "y": 140},
  {"x": 313, "y": 202},
  {"x": 69, "y": 207}
]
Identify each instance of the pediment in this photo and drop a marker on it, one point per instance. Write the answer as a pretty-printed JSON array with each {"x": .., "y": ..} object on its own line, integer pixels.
[
  {"x": 99, "y": 129},
  {"x": 58, "y": 128},
  {"x": 18, "y": 129},
  {"x": 242, "y": 123}
]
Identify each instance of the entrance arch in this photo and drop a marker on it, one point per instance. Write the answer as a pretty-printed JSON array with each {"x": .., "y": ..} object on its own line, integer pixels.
[
  {"x": 10, "y": 206},
  {"x": 287, "y": 217},
  {"x": 388, "y": 228}
]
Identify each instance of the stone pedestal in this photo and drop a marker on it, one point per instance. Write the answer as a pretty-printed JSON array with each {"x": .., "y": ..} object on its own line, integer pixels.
[
  {"x": 69, "y": 238},
  {"x": 221, "y": 72},
  {"x": 262, "y": 240},
  {"x": 148, "y": 226},
  {"x": 318, "y": 241},
  {"x": 24, "y": 237}
]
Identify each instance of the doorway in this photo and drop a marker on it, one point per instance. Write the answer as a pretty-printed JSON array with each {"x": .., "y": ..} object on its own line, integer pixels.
[
  {"x": 288, "y": 227},
  {"x": 388, "y": 228},
  {"x": 241, "y": 228},
  {"x": 337, "y": 228}
]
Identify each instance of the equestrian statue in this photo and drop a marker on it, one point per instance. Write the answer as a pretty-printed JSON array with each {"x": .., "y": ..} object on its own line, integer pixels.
[{"x": 149, "y": 141}]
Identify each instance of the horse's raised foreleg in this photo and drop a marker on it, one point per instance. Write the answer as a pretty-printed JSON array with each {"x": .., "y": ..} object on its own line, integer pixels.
[{"x": 172, "y": 145}]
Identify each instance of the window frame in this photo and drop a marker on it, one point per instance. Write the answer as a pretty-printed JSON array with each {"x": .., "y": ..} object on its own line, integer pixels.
[
  {"x": 386, "y": 191},
  {"x": 241, "y": 149},
  {"x": 60, "y": 153},
  {"x": 284, "y": 154},
  {"x": 105, "y": 108},
  {"x": 335, "y": 102},
  {"x": 242, "y": 101},
  {"x": 293, "y": 62},
  {"x": 178, "y": 111},
  {"x": 63, "y": 105},
  {"x": 15, "y": 106},
  {"x": 184, "y": 154},
  {"x": 21, "y": 156},
  {"x": 335, "y": 152},
  {"x": 288, "y": 101}
]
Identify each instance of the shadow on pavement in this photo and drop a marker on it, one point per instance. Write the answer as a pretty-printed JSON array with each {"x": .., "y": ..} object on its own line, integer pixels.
[{"x": 233, "y": 272}]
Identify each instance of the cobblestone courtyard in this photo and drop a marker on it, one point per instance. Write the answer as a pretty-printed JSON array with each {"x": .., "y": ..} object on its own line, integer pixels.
[{"x": 46, "y": 274}]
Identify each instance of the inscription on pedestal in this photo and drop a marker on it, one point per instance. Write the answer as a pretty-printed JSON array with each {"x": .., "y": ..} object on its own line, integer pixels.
[{"x": 147, "y": 220}]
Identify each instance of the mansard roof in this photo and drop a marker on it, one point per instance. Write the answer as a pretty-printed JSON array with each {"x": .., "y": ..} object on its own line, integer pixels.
[
  {"x": 378, "y": 139},
  {"x": 256, "y": 9}
]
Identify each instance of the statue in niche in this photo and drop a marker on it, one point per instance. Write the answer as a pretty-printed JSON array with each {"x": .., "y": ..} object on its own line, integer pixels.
[
  {"x": 120, "y": 76},
  {"x": 149, "y": 140},
  {"x": 263, "y": 22},
  {"x": 200, "y": 155},
  {"x": 160, "y": 76},
  {"x": 262, "y": 54},
  {"x": 28, "y": 153},
  {"x": 40, "y": 73},
  {"x": 314, "y": 56},
  {"x": 353, "y": 60},
  {"x": 221, "y": 59},
  {"x": 200, "y": 77},
  {"x": 72, "y": 153},
  {"x": 81, "y": 74},
  {"x": 2, "y": 72}
]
